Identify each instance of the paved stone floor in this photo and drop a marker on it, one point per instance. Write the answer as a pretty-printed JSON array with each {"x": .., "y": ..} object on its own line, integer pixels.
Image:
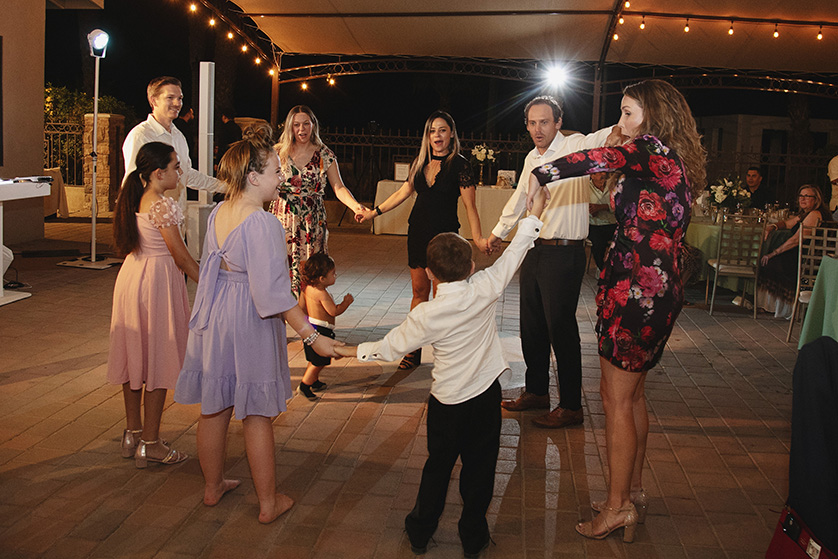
[{"x": 720, "y": 406}]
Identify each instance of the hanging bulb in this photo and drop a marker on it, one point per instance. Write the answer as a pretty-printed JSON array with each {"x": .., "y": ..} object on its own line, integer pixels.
[
  {"x": 257, "y": 60},
  {"x": 244, "y": 48},
  {"x": 730, "y": 31},
  {"x": 643, "y": 23},
  {"x": 616, "y": 37},
  {"x": 776, "y": 32},
  {"x": 212, "y": 22},
  {"x": 193, "y": 7},
  {"x": 687, "y": 26},
  {"x": 229, "y": 34},
  {"x": 820, "y": 33},
  {"x": 304, "y": 85},
  {"x": 621, "y": 20},
  {"x": 271, "y": 72},
  {"x": 628, "y": 4}
]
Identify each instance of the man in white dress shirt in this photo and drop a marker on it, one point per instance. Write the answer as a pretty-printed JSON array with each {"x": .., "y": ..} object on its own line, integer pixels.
[
  {"x": 551, "y": 274},
  {"x": 166, "y": 99}
]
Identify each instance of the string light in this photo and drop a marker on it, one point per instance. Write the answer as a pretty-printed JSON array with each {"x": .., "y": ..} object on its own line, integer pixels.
[
  {"x": 621, "y": 20},
  {"x": 643, "y": 23},
  {"x": 730, "y": 31},
  {"x": 230, "y": 35},
  {"x": 687, "y": 26},
  {"x": 257, "y": 60},
  {"x": 304, "y": 86},
  {"x": 271, "y": 72},
  {"x": 193, "y": 7},
  {"x": 331, "y": 80},
  {"x": 628, "y": 4},
  {"x": 244, "y": 48},
  {"x": 820, "y": 33},
  {"x": 776, "y": 32},
  {"x": 212, "y": 22},
  {"x": 616, "y": 37}
]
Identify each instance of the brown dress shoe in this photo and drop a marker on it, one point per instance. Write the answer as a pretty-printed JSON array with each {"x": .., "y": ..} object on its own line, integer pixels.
[
  {"x": 559, "y": 418},
  {"x": 527, "y": 401}
]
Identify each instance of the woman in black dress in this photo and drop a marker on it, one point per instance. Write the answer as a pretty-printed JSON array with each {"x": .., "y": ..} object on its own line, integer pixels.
[
  {"x": 640, "y": 291},
  {"x": 439, "y": 176}
]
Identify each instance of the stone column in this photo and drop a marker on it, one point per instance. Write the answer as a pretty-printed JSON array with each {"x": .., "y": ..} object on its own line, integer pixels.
[{"x": 110, "y": 165}]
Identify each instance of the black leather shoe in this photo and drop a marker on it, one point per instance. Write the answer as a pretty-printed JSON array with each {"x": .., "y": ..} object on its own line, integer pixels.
[{"x": 479, "y": 551}]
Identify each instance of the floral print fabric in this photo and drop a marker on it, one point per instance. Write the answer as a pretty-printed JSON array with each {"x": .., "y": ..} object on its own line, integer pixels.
[
  {"x": 165, "y": 213},
  {"x": 301, "y": 210},
  {"x": 640, "y": 293}
]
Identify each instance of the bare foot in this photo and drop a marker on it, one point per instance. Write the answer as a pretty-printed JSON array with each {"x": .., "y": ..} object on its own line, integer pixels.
[
  {"x": 213, "y": 494},
  {"x": 283, "y": 504}
]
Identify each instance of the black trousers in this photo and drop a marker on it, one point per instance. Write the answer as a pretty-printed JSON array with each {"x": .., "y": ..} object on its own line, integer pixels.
[
  {"x": 600, "y": 237},
  {"x": 470, "y": 430},
  {"x": 550, "y": 280}
]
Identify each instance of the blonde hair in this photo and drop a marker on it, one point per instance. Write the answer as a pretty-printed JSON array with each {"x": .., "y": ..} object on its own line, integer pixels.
[
  {"x": 286, "y": 139},
  {"x": 425, "y": 150},
  {"x": 251, "y": 153},
  {"x": 155, "y": 85},
  {"x": 667, "y": 116}
]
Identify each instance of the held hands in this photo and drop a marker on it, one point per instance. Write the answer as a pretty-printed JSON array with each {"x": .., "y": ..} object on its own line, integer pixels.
[
  {"x": 616, "y": 137},
  {"x": 494, "y": 243},
  {"x": 327, "y": 347},
  {"x": 359, "y": 211},
  {"x": 537, "y": 196},
  {"x": 346, "y": 350},
  {"x": 365, "y": 215},
  {"x": 483, "y": 245}
]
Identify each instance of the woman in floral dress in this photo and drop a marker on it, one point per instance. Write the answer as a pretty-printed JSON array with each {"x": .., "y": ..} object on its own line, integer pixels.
[
  {"x": 307, "y": 163},
  {"x": 640, "y": 291}
]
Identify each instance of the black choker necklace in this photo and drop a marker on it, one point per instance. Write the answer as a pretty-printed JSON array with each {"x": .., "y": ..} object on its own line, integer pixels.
[{"x": 438, "y": 157}]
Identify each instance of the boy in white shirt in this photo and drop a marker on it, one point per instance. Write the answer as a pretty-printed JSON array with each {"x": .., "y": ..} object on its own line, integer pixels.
[{"x": 464, "y": 413}]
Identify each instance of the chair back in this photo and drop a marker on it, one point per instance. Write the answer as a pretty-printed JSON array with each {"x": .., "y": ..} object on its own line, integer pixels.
[
  {"x": 813, "y": 245},
  {"x": 740, "y": 240}
]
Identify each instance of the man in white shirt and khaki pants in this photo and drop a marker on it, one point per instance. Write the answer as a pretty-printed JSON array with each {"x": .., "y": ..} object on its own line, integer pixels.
[{"x": 551, "y": 274}]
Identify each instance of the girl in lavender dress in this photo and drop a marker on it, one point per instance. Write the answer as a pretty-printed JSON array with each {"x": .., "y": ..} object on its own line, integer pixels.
[
  {"x": 150, "y": 307},
  {"x": 236, "y": 358}
]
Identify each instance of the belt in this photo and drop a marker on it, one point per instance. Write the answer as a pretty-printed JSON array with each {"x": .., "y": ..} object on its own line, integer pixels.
[{"x": 559, "y": 242}]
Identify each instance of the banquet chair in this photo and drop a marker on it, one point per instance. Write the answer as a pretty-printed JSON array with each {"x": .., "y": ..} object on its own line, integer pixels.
[
  {"x": 737, "y": 253},
  {"x": 812, "y": 246}
]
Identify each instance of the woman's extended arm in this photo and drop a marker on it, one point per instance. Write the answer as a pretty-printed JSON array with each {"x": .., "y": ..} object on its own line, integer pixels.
[
  {"x": 179, "y": 252},
  {"x": 812, "y": 219},
  {"x": 323, "y": 345},
  {"x": 343, "y": 193},
  {"x": 469, "y": 194},
  {"x": 392, "y": 201}
]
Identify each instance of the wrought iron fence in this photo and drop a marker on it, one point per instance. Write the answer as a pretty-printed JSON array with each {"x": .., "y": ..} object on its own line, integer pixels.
[
  {"x": 63, "y": 148},
  {"x": 369, "y": 156}
]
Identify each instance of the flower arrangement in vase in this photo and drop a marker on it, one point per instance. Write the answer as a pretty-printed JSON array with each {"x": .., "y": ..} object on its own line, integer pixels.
[
  {"x": 481, "y": 155},
  {"x": 729, "y": 192}
]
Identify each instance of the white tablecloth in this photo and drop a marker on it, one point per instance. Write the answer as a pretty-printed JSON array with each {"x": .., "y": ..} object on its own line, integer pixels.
[{"x": 489, "y": 202}]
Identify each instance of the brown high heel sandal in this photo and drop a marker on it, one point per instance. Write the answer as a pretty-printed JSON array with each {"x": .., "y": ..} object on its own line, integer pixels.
[
  {"x": 141, "y": 457},
  {"x": 411, "y": 360},
  {"x": 629, "y": 525},
  {"x": 638, "y": 499},
  {"x": 130, "y": 440}
]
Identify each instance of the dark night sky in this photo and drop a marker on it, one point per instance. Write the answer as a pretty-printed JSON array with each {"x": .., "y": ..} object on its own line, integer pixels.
[{"x": 151, "y": 38}]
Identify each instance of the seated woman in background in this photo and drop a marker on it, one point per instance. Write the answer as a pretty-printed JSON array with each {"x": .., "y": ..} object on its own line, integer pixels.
[{"x": 778, "y": 275}]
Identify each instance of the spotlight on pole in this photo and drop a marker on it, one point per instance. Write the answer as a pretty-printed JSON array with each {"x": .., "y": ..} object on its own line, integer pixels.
[{"x": 98, "y": 41}]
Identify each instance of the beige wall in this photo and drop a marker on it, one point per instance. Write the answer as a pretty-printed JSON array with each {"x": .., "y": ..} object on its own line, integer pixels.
[{"x": 22, "y": 26}]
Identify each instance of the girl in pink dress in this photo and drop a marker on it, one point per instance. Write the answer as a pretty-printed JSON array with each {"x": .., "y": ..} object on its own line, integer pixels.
[
  {"x": 150, "y": 307},
  {"x": 236, "y": 357}
]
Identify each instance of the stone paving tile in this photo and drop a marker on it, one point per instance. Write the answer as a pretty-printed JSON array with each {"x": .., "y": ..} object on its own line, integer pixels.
[{"x": 717, "y": 460}]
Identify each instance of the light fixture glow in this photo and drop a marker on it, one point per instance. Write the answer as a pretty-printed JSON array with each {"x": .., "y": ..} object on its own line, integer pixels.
[
  {"x": 643, "y": 23},
  {"x": 556, "y": 75},
  {"x": 212, "y": 22},
  {"x": 304, "y": 85},
  {"x": 271, "y": 72},
  {"x": 628, "y": 4},
  {"x": 98, "y": 41},
  {"x": 730, "y": 31},
  {"x": 621, "y": 20},
  {"x": 616, "y": 37},
  {"x": 193, "y": 7},
  {"x": 820, "y": 33},
  {"x": 331, "y": 81},
  {"x": 244, "y": 48},
  {"x": 257, "y": 60},
  {"x": 229, "y": 34},
  {"x": 687, "y": 26},
  {"x": 776, "y": 32}
]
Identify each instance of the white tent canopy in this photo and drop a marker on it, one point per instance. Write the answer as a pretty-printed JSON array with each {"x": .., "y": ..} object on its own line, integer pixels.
[{"x": 563, "y": 30}]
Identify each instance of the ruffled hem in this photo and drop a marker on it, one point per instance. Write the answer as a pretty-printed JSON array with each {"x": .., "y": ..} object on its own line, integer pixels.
[{"x": 216, "y": 394}]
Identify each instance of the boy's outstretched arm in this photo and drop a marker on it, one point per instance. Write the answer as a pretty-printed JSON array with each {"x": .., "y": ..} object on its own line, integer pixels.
[{"x": 347, "y": 350}]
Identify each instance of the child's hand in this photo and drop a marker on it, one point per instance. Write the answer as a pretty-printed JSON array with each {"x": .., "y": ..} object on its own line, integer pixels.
[
  {"x": 348, "y": 299},
  {"x": 347, "y": 350}
]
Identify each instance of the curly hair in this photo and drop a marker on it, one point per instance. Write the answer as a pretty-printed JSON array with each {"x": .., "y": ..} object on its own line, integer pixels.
[
  {"x": 318, "y": 265},
  {"x": 667, "y": 116}
]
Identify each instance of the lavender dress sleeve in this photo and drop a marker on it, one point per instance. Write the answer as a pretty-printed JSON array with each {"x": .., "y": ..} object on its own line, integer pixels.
[{"x": 266, "y": 262}]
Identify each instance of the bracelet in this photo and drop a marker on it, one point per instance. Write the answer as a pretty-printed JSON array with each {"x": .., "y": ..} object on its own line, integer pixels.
[
  {"x": 312, "y": 338},
  {"x": 378, "y": 210}
]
